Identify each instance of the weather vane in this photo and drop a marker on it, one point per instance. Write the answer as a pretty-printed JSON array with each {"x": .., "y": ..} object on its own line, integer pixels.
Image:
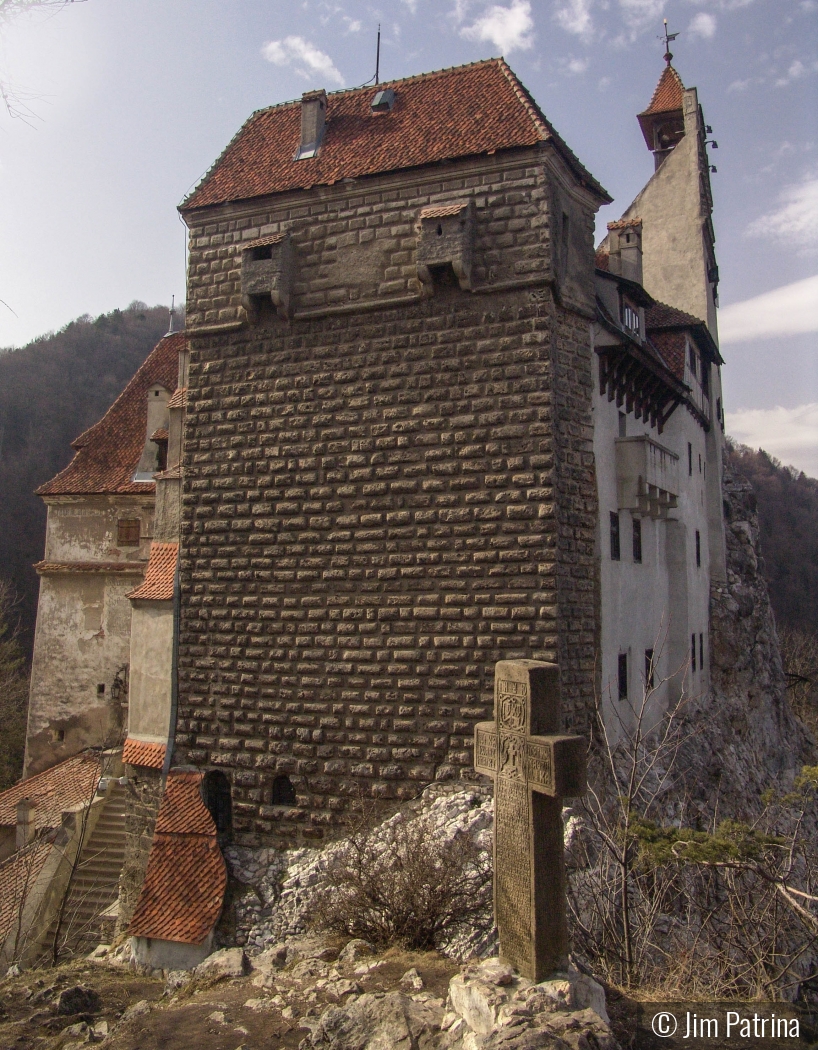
[{"x": 667, "y": 37}]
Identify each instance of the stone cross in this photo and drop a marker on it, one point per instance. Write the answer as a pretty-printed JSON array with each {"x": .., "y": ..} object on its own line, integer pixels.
[{"x": 532, "y": 773}]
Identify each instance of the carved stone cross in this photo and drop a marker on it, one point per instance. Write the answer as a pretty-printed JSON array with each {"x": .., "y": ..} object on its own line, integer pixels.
[{"x": 532, "y": 773}]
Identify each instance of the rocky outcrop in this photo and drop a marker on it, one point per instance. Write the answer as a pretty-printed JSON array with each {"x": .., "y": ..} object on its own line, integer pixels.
[{"x": 742, "y": 737}]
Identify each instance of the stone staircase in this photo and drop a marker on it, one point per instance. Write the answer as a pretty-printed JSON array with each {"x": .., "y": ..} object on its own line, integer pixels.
[{"x": 95, "y": 884}]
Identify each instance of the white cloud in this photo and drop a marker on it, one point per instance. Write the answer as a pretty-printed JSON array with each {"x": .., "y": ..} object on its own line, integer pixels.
[
  {"x": 740, "y": 85},
  {"x": 795, "y": 220},
  {"x": 723, "y": 5},
  {"x": 577, "y": 65},
  {"x": 795, "y": 72},
  {"x": 574, "y": 16},
  {"x": 305, "y": 57},
  {"x": 641, "y": 14},
  {"x": 353, "y": 25},
  {"x": 789, "y": 434},
  {"x": 702, "y": 25},
  {"x": 789, "y": 310},
  {"x": 508, "y": 28}
]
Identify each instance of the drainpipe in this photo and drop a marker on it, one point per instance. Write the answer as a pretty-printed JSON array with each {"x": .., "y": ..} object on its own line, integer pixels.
[{"x": 174, "y": 667}]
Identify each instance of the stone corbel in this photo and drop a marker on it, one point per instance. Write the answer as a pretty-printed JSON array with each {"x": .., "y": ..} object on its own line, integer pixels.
[
  {"x": 266, "y": 272},
  {"x": 446, "y": 238}
]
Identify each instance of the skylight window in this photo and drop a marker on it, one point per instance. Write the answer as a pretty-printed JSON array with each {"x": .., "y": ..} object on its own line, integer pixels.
[{"x": 383, "y": 101}]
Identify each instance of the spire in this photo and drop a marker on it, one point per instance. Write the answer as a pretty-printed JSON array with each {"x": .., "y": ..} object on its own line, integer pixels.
[
  {"x": 667, "y": 39},
  {"x": 172, "y": 321}
]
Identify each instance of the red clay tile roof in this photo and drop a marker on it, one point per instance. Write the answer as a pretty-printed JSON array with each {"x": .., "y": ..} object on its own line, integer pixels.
[
  {"x": 668, "y": 94},
  {"x": 662, "y": 320},
  {"x": 660, "y": 315},
  {"x": 183, "y": 891},
  {"x": 108, "y": 453},
  {"x": 66, "y": 785},
  {"x": 18, "y": 876},
  {"x": 46, "y": 568},
  {"x": 624, "y": 224},
  {"x": 459, "y": 112},
  {"x": 602, "y": 260},
  {"x": 179, "y": 399},
  {"x": 160, "y": 435},
  {"x": 140, "y": 753},
  {"x": 440, "y": 211},
  {"x": 158, "y": 583},
  {"x": 672, "y": 346}
]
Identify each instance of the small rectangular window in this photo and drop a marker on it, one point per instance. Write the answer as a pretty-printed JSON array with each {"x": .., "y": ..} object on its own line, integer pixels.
[
  {"x": 689, "y": 459},
  {"x": 637, "y": 540},
  {"x": 622, "y": 669},
  {"x": 616, "y": 553},
  {"x": 693, "y": 652},
  {"x": 692, "y": 359},
  {"x": 127, "y": 532},
  {"x": 701, "y": 651},
  {"x": 649, "y": 668},
  {"x": 623, "y": 425},
  {"x": 698, "y": 549},
  {"x": 700, "y": 462},
  {"x": 630, "y": 317}
]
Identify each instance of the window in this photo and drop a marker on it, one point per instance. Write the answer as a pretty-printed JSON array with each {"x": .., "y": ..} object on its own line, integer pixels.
[
  {"x": 283, "y": 792},
  {"x": 616, "y": 553},
  {"x": 689, "y": 460},
  {"x": 630, "y": 317},
  {"x": 700, "y": 462},
  {"x": 706, "y": 378},
  {"x": 649, "y": 668},
  {"x": 623, "y": 425},
  {"x": 698, "y": 549},
  {"x": 623, "y": 676},
  {"x": 693, "y": 652},
  {"x": 101, "y": 689},
  {"x": 637, "y": 539},
  {"x": 127, "y": 532},
  {"x": 701, "y": 651},
  {"x": 692, "y": 359}
]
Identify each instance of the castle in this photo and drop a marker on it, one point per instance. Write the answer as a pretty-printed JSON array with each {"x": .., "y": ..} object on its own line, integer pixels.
[{"x": 416, "y": 424}]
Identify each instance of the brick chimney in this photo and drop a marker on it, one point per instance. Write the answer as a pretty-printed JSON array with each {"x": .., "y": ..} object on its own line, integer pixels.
[
  {"x": 25, "y": 822},
  {"x": 313, "y": 122}
]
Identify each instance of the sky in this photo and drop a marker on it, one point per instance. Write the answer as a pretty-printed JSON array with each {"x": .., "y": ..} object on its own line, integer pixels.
[{"x": 116, "y": 108}]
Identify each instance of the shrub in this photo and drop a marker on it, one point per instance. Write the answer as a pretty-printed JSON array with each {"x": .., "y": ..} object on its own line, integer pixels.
[{"x": 404, "y": 883}]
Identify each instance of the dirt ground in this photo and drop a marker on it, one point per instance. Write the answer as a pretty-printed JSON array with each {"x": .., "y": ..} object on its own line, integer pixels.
[{"x": 207, "y": 1015}]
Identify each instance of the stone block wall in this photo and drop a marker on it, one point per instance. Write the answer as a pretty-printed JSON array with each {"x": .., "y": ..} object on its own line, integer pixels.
[{"x": 380, "y": 504}]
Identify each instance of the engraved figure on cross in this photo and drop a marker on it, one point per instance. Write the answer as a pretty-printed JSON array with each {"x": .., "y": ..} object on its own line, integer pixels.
[{"x": 534, "y": 768}]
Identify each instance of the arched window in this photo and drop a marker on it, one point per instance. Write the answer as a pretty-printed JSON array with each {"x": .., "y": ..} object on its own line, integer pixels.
[
  {"x": 216, "y": 791},
  {"x": 283, "y": 792}
]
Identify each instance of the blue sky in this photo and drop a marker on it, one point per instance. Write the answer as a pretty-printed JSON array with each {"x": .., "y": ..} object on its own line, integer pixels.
[{"x": 122, "y": 105}]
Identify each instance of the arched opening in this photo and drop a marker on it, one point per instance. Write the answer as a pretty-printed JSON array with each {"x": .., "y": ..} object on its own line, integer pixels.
[
  {"x": 217, "y": 798},
  {"x": 283, "y": 791}
]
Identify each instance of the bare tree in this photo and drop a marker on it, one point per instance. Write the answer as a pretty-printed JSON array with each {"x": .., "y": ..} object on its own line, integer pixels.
[{"x": 13, "y": 691}]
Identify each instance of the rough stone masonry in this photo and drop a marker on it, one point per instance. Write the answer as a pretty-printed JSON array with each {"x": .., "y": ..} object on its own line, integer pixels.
[{"x": 383, "y": 500}]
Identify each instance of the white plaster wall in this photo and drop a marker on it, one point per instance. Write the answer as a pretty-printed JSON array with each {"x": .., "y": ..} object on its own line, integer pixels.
[
  {"x": 151, "y": 658},
  {"x": 81, "y": 641},
  {"x": 84, "y": 528},
  {"x": 656, "y": 604}
]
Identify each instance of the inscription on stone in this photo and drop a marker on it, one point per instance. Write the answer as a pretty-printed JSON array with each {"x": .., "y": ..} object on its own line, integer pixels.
[{"x": 531, "y": 771}]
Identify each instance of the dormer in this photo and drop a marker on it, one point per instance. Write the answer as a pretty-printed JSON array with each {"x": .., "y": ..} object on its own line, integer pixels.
[
  {"x": 156, "y": 435},
  {"x": 625, "y": 249},
  {"x": 662, "y": 123},
  {"x": 445, "y": 244}
]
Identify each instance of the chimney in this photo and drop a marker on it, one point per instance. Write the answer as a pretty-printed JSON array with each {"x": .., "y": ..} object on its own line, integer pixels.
[
  {"x": 313, "y": 122},
  {"x": 25, "y": 822},
  {"x": 625, "y": 249}
]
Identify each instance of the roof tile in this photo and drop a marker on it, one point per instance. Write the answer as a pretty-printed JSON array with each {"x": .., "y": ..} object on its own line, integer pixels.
[
  {"x": 158, "y": 583},
  {"x": 108, "y": 453},
  {"x": 141, "y": 753},
  {"x": 459, "y": 112},
  {"x": 668, "y": 95},
  {"x": 64, "y": 786},
  {"x": 182, "y": 895}
]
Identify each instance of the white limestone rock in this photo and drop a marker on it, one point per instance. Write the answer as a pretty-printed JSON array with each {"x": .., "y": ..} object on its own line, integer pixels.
[
  {"x": 227, "y": 962},
  {"x": 378, "y": 1021}
]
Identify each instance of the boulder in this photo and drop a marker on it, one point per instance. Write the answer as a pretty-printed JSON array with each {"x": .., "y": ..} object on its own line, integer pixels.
[
  {"x": 378, "y": 1021},
  {"x": 354, "y": 950},
  {"x": 77, "y": 1000},
  {"x": 228, "y": 962}
]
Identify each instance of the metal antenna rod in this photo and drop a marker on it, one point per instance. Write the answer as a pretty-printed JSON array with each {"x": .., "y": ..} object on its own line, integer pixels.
[{"x": 378, "y": 56}]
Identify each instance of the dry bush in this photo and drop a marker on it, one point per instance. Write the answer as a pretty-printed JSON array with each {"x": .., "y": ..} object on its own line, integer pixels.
[
  {"x": 403, "y": 883},
  {"x": 799, "y": 654},
  {"x": 13, "y": 692},
  {"x": 660, "y": 904}
]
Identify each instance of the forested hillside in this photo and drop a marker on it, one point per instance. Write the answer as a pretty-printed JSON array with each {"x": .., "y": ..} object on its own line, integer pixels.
[
  {"x": 50, "y": 391},
  {"x": 788, "y": 515}
]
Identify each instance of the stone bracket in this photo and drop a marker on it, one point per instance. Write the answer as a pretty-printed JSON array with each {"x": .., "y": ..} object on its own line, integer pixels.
[
  {"x": 446, "y": 237},
  {"x": 267, "y": 271}
]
